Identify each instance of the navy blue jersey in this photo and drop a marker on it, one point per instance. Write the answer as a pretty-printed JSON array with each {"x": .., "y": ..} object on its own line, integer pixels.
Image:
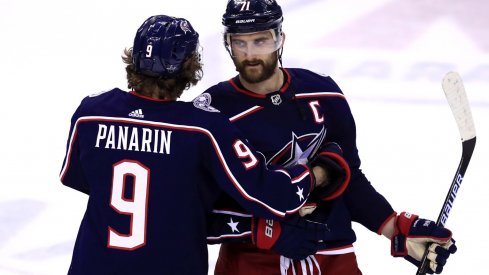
[
  {"x": 280, "y": 123},
  {"x": 153, "y": 170}
]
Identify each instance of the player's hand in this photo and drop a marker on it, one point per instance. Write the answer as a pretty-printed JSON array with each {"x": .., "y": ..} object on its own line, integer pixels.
[
  {"x": 294, "y": 237},
  {"x": 330, "y": 158},
  {"x": 413, "y": 235},
  {"x": 307, "y": 209}
]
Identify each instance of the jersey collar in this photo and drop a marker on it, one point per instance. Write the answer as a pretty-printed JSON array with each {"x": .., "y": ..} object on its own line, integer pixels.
[{"x": 140, "y": 96}]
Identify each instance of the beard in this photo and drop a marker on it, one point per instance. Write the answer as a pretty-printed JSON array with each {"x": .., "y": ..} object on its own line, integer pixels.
[{"x": 258, "y": 73}]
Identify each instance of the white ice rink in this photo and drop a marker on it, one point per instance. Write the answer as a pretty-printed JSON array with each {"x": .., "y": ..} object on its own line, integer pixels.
[{"x": 388, "y": 56}]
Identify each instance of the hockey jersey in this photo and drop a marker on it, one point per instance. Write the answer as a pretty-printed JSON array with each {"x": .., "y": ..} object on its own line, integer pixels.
[
  {"x": 153, "y": 170},
  {"x": 283, "y": 122}
]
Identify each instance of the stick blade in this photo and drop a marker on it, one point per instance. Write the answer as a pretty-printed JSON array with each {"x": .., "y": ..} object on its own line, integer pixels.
[{"x": 454, "y": 89}]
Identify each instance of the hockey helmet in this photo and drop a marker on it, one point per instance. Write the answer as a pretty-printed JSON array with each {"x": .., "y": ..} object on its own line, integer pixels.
[
  {"x": 162, "y": 44},
  {"x": 252, "y": 16},
  {"x": 244, "y": 16}
]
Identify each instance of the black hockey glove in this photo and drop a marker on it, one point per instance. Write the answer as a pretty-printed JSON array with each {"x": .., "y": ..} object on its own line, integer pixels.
[
  {"x": 413, "y": 235},
  {"x": 330, "y": 158},
  {"x": 294, "y": 237}
]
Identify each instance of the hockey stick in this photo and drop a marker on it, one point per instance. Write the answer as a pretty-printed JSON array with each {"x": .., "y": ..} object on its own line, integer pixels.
[{"x": 457, "y": 99}]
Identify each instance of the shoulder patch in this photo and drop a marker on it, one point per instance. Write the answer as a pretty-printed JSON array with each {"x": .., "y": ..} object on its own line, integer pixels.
[{"x": 203, "y": 102}]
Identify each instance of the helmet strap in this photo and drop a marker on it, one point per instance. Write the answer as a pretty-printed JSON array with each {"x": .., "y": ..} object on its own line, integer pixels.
[
  {"x": 279, "y": 53},
  {"x": 227, "y": 44}
]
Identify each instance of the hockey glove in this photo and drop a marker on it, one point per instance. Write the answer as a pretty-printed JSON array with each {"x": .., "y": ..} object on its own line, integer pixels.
[
  {"x": 294, "y": 237},
  {"x": 330, "y": 159},
  {"x": 413, "y": 235}
]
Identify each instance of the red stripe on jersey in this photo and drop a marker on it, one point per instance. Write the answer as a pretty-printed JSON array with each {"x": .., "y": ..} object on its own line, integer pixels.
[
  {"x": 245, "y": 113},
  {"x": 228, "y": 172},
  {"x": 229, "y": 236},
  {"x": 231, "y": 81},
  {"x": 319, "y": 94},
  {"x": 150, "y": 98},
  {"x": 337, "y": 250},
  {"x": 68, "y": 153},
  {"x": 289, "y": 79}
]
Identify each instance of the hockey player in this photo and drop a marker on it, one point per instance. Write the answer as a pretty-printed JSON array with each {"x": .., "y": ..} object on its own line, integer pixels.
[
  {"x": 280, "y": 111},
  {"x": 153, "y": 167}
]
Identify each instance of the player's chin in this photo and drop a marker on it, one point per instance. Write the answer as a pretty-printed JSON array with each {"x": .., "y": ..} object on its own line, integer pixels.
[{"x": 254, "y": 72}]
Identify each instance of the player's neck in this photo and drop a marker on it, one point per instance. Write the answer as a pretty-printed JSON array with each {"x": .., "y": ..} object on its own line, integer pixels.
[
  {"x": 157, "y": 94},
  {"x": 273, "y": 84}
]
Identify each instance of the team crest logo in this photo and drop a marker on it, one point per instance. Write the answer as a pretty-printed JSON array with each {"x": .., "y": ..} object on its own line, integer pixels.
[
  {"x": 203, "y": 102},
  {"x": 300, "y": 149},
  {"x": 171, "y": 68},
  {"x": 184, "y": 26},
  {"x": 276, "y": 99}
]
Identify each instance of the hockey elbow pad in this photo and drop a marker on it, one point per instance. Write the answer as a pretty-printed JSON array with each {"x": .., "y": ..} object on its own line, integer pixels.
[{"x": 338, "y": 172}]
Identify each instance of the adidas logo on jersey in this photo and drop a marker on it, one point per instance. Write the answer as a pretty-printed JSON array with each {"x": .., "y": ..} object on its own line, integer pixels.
[{"x": 137, "y": 113}]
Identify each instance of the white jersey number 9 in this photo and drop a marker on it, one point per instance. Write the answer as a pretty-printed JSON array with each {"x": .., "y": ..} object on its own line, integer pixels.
[
  {"x": 243, "y": 152},
  {"x": 149, "y": 50},
  {"x": 136, "y": 207}
]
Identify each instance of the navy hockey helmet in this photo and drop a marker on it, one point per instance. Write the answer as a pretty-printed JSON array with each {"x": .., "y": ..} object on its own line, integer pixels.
[
  {"x": 244, "y": 16},
  {"x": 162, "y": 44},
  {"x": 252, "y": 16}
]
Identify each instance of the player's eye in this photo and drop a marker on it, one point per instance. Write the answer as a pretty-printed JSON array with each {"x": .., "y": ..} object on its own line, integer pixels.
[
  {"x": 239, "y": 43},
  {"x": 261, "y": 42}
]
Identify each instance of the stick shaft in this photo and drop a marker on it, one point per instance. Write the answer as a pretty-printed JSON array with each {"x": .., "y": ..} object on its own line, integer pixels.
[
  {"x": 457, "y": 99},
  {"x": 467, "y": 149}
]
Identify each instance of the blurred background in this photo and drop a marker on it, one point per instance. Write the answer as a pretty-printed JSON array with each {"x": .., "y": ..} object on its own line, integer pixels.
[{"x": 388, "y": 56}]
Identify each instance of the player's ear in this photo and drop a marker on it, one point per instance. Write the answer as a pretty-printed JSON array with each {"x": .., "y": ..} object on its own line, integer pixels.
[{"x": 283, "y": 39}]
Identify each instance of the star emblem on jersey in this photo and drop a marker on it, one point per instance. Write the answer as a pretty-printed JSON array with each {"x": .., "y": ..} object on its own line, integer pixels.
[
  {"x": 233, "y": 225},
  {"x": 298, "y": 155},
  {"x": 300, "y": 193}
]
